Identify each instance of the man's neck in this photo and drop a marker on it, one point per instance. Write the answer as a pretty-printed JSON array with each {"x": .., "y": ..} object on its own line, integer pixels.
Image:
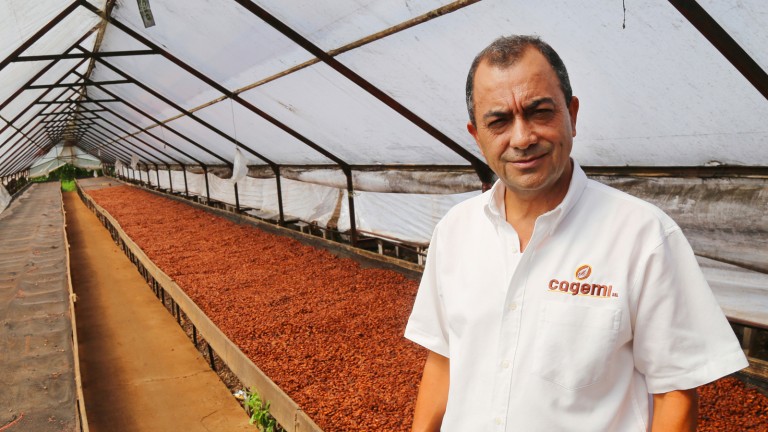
[{"x": 522, "y": 209}]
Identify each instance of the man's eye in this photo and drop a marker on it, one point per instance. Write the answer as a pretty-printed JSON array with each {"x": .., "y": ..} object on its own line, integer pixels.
[
  {"x": 543, "y": 113},
  {"x": 498, "y": 123}
]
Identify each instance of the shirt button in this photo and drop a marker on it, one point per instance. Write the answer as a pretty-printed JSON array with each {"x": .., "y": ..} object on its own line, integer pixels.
[
  {"x": 505, "y": 364},
  {"x": 498, "y": 420},
  {"x": 512, "y": 306}
]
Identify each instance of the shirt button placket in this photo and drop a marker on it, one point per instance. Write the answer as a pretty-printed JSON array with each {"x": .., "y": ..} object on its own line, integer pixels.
[{"x": 509, "y": 333}]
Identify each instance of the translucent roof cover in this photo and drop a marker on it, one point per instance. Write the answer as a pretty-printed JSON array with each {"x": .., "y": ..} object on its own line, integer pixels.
[{"x": 361, "y": 84}]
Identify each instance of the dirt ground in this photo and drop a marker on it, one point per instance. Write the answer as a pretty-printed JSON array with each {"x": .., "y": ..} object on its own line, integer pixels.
[{"x": 140, "y": 372}]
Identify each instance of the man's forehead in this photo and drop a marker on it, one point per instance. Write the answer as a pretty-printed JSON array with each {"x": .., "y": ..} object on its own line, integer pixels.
[
  {"x": 531, "y": 63},
  {"x": 530, "y": 77}
]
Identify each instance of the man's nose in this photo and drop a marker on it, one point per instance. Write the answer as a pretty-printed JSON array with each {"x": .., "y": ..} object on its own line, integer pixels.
[{"x": 522, "y": 135}]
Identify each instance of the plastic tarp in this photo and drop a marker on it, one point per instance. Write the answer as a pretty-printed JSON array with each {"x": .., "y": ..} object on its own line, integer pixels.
[
  {"x": 641, "y": 106},
  {"x": 409, "y": 217},
  {"x": 61, "y": 155},
  {"x": 239, "y": 169},
  {"x": 305, "y": 201},
  {"x": 683, "y": 105},
  {"x": 5, "y": 198}
]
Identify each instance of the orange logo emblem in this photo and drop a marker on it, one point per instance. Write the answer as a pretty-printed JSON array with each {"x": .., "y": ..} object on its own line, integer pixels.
[{"x": 583, "y": 272}]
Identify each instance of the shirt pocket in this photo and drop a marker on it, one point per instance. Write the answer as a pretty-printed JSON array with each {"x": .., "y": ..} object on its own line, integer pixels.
[{"x": 574, "y": 342}]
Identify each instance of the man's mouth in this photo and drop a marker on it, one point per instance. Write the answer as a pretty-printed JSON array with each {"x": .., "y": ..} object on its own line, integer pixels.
[{"x": 527, "y": 162}]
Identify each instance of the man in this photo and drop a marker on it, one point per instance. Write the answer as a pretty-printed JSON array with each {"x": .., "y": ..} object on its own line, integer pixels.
[{"x": 553, "y": 302}]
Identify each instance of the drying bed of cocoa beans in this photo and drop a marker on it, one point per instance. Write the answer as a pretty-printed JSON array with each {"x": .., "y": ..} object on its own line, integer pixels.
[{"x": 326, "y": 330}]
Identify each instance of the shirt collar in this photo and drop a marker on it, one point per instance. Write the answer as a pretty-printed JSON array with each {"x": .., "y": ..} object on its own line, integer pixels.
[{"x": 495, "y": 209}]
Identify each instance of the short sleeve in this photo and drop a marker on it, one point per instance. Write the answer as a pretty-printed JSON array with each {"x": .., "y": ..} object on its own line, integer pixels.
[
  {"x": 427, "y": 325},
  {"x": 682, "y": 339}
]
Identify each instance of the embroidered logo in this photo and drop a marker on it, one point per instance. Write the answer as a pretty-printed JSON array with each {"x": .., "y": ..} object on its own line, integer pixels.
[
  {"x": 583, "y": 272},
  {"x": 579, "y": 288}
]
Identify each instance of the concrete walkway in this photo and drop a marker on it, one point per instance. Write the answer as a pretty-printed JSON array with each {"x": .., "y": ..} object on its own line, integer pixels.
[
  {"x": 140, "y": 371},
  {"x": 37, "y": 381}
]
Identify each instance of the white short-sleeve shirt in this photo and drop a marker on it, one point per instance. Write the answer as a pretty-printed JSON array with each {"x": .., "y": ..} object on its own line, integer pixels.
[{"x": 606, "y": 305}]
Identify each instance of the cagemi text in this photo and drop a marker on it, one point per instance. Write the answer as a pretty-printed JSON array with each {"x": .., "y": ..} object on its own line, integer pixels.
[{"x": 584, "y": 289}]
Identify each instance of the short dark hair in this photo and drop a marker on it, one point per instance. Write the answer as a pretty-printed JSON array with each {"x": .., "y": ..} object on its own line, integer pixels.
[{"x": 506, "y": 51}]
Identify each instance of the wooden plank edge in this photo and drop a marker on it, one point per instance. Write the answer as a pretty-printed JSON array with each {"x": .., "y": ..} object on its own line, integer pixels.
[{"x": 82, "y": 417}]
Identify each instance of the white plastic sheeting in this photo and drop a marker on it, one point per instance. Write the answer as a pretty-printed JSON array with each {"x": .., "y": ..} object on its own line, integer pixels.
[
  {"x": 408, "y": 217},
  {"x": 653, "y": 91},
  {"x": 640, "y": 105},
  {"x": 321, "y": 104},
  {"x": 305, "y": 201},
  {"x": 239, "y": 168},
  {"x": 5, "y": 198},
  {"x": 745, "y": 22},
  {"x": 61, "y": 155}
]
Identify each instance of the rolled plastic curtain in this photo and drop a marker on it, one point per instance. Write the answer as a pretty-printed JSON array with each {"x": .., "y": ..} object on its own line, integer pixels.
[
  {"x": 239, "y": 168},
  {"x": 5, "y": 198}
]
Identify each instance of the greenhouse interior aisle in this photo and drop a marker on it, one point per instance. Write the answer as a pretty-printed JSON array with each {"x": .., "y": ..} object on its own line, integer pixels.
[
  {"x": 37, "y": 373},
  {"x": 140, "y": 371}
]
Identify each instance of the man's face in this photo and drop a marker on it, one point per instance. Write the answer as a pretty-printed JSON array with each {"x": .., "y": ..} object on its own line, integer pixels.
[{"x": 525, "y": 128}]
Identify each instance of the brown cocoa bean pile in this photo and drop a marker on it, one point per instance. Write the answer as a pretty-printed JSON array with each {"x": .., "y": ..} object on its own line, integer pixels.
[
  {"x": 327, "y": 331},
  {"x": 324, "y": 329},
  {"x": 727, "y": 405}
]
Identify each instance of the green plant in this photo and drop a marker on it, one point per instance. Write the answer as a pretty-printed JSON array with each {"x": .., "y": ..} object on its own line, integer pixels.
[
  {"x": 68, "y": 185},
  {"x": 259, "y": 412}
]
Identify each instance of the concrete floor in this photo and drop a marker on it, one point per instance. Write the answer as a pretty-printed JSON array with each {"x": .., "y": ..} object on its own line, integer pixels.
[{"x": 140, "y": 371}]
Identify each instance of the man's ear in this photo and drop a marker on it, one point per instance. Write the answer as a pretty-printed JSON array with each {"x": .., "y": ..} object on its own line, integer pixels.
[
  {"x": 573, "y": 110},
  {"x": 473, "y": 131}
]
